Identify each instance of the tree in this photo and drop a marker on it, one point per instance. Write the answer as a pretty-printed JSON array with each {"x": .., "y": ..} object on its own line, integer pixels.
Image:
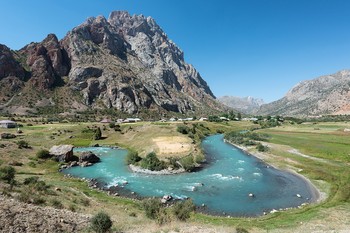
[
  {"x": 7, "y": 174},
  {"x": 98, "y": 134},
  {"x": 239, "y": 116},
  {"x": 151, "y": 162},
  {"x": 132, "y": 157},
  {"x": 101, "y": 222}
]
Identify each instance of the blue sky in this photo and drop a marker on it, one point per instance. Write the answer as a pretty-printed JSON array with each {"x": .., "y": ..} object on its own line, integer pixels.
[{"x": 258, "y": 48}]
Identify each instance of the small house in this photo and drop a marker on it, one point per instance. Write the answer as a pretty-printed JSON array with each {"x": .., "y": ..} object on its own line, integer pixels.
[
  {"x": 7, "y": 124},
  {"x": 106, "y": 120}
]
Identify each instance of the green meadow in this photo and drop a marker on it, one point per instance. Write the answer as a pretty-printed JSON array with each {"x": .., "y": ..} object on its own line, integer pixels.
[{"x": 319, "y": 152}]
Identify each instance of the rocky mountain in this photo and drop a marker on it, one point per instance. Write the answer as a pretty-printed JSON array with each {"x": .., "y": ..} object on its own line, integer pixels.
[
  {"x": 328, "y": 94},
  {"x": 248, "y": 105},
  {"x": 125, "y": 62}
]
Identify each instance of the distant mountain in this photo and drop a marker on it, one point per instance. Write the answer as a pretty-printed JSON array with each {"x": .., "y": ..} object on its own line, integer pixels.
[
  {"x": 328, "y": 94},
  {"x": 125, "y": 62},
  {"x": 247, "y": 104}
]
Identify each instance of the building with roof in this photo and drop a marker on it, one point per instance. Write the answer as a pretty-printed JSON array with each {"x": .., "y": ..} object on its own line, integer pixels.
[{"x": 7, "y": 124}]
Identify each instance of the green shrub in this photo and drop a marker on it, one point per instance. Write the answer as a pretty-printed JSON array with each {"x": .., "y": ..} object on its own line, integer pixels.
[
  {"x": 111, "y": 125},
  {"x": 22, "y": 144},
  {"x": 187, "y": 163},
  {"x": 7, "y": 174},
  {"x": 43, "y": 154},
  {"x": 152, "y": 207},
  {"x": 97, "y": 134},
  {"x": 261, "y": 148},
  {"x": 30, "y": 180},
  {"x": 56, "y": 204},
  {"x": 183, "y": 129},
  {"x": 101, "y": 222},
  {"x": 183, "y": 209},
  {"x": 151, "y": 162},
  {"x": 7, "y": 136},
  {"x": 132, "y": 157}
]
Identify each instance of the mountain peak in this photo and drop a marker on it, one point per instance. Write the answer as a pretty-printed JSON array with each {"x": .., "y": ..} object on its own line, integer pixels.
[{"x": 124, "y": 62}]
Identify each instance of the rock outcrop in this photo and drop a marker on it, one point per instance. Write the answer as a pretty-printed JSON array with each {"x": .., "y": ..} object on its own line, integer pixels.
[
  {"x": 124, "y": 62},
  {"x": 328, "y": 94},
  {"x": 89, "y": 157},
  {"x": 47, "y": 62},
  {"x": 62, "y": 153}
]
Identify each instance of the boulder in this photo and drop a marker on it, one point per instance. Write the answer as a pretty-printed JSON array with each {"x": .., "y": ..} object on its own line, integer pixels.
[
  {"x": 62, "y": 153},
  {"x": 89, "y": 157}
]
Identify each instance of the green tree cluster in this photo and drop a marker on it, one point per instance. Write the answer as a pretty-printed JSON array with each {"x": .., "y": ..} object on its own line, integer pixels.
[{"x": 151, "y": 162}]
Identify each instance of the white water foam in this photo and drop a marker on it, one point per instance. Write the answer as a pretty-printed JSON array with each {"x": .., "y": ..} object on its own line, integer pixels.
[
  {"x": 120, "y": 180},
  {"x": 222, "y": 177}
]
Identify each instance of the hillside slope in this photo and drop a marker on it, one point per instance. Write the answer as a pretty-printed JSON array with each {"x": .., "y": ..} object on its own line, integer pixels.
[{"x": 329, "y": 94}]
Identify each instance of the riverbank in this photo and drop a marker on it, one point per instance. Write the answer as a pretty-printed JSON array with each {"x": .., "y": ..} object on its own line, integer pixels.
[
  {"x": 138, "y": 169},
  {"x": 317, "y": 195}
]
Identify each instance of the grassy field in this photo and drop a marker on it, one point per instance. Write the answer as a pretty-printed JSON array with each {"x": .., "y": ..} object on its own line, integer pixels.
[{"x": 323, "y": 152}]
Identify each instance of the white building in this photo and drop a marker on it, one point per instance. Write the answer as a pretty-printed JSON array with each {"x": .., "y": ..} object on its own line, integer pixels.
[{"x": 7, "y": 124}]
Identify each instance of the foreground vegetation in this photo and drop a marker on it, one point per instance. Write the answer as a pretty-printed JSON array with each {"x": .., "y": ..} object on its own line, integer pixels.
[{"x": 28, "y": 174}]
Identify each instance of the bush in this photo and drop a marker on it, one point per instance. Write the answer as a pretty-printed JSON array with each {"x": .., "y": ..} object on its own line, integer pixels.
[
  {"x": 132, "y": 157},
  {"x": 188, "y": 163},
  {"x": 183, "y": 209},
  {"x": 7, "y": 174},
  {"x": 101, "y": 222},
  {"x": 151, "y": 162},
  {"x": 111, "y": 125},
  {"x": 152, "y": 207},
  {"x": 30, "y": 180},
  {"x": 7, "y": 136},
  {"x": 56, "y": 204},
  {"x": 261, "y": 148},
  {"x": 43, "y": 154},
  {"x": 183, "y": 129},
  {"x": 22, "y": 144}
]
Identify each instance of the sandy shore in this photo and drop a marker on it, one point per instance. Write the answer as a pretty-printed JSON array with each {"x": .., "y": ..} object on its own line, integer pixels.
[{"x": 317, "y": 195}]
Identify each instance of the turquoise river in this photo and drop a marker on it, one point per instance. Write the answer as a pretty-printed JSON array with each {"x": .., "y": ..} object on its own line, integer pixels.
[{"x": 223, "y": 185}]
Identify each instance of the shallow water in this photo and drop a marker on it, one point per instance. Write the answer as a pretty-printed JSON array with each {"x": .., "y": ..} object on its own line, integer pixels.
[{"x": 227, "y": 181}]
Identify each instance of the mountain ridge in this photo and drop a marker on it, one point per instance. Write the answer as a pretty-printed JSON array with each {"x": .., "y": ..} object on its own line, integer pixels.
[
  {"x": 325, "y": 95},
  {"x": 248, "y": 104},
  {"x": 125, "y": 62}
]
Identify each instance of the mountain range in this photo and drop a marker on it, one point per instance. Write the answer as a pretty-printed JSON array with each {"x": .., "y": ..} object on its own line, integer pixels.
[
  {"x": 248, "y": 105},
  {"x": 126, "y": 63},
  {"x": 326, "y": 95}
]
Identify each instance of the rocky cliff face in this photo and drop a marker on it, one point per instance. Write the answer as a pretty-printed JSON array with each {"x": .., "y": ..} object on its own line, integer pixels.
[
  {"x": 248, "y": 105},
  {"x": 328, "y": 94},
  {"x": 124, "y": 62}
]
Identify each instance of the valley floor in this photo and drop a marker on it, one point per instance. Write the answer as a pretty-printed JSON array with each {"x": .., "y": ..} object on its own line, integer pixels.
[{"x": 318, "y": 152}]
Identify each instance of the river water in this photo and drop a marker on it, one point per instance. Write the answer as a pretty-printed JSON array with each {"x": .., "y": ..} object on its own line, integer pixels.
[{"x": 223, "y": 185}]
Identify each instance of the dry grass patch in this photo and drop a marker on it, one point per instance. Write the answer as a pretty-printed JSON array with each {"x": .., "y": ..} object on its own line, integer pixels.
[{"x": 172, "y": 146}]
